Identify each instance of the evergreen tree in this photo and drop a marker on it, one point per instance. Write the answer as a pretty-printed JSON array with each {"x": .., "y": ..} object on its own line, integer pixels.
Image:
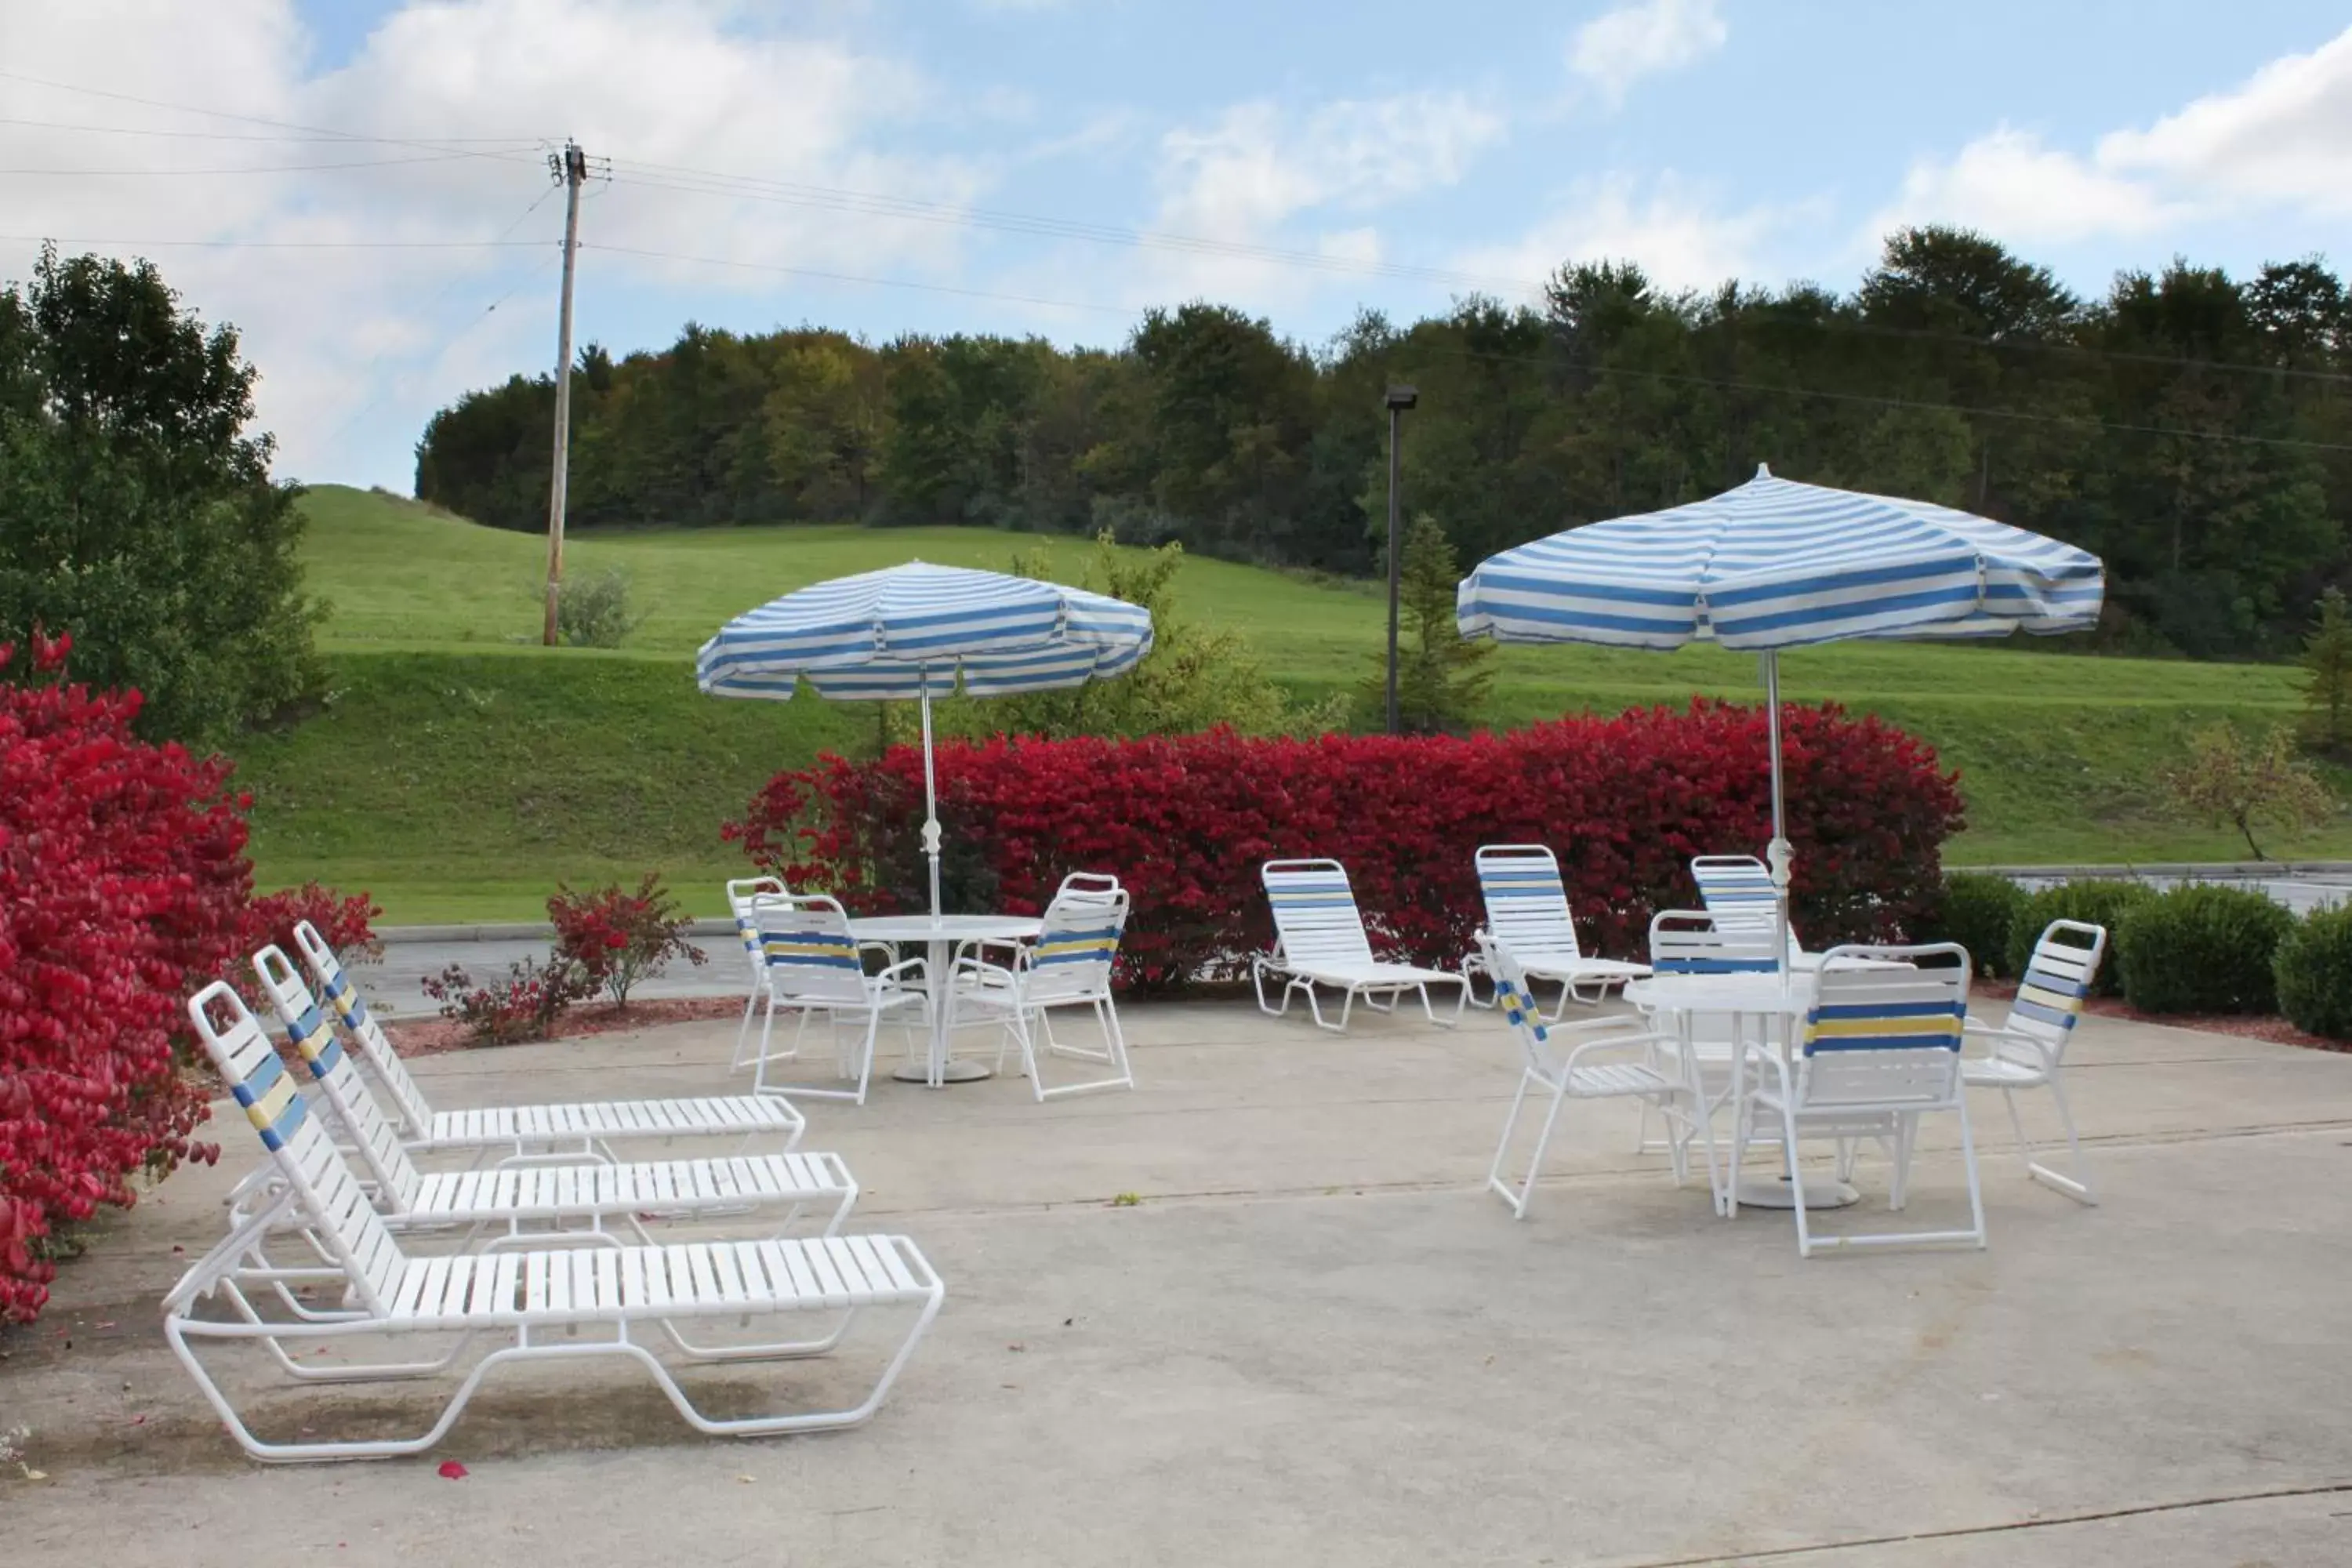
[
  {"x": 1443, "y": 680},
  {"x": 2328, "y": 673}
]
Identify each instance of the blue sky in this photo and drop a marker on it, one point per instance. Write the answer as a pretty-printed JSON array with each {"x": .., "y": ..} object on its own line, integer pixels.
[{"x": 1316, "y": 157}]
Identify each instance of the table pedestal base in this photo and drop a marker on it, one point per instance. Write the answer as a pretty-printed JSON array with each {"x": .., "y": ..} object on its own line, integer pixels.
[
  {"x": 961, "y": 1070},
  {"x": 1772, "y": 1193}
]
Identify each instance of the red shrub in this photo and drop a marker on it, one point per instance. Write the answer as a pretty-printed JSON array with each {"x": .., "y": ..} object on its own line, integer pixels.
[
  {"x": 1186, "y": 821},
  {"x": 348, "y": 922},
  {"x": 123, "y": 884},
  {"x": 524, "y": 1005},
  {"x": 618, "y": 939}
]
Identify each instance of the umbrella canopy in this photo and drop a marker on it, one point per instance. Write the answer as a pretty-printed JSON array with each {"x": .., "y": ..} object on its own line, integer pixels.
[
  {"x": 912, "y": 630},
  {"x": 1774, "y": 564},
  {"x": 918, "y": 631}
]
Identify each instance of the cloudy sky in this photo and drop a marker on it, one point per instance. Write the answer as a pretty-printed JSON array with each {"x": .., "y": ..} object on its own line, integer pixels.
[{"x": 361, "y": 185}]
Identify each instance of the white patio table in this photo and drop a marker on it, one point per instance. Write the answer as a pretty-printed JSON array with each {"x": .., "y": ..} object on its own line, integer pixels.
[
  {"x": 1775, "y": 1003},
  {"x": 941, "y": 935}
]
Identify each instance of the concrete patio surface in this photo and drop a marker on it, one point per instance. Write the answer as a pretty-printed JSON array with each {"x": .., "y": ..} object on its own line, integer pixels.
[{"x": 1314, "y": 1340}]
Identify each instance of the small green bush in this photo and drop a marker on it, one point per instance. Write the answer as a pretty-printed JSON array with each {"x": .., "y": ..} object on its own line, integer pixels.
[
  {"x": 1977, "y": 913},
  {"x": 2314, "y": 970},
  {"x": 2203, "y": 949},
  {"x": 2096, "y": 900},
  {"x": 593, "y": 612}
]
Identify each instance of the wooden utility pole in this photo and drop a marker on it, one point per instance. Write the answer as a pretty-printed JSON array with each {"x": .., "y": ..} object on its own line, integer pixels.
[{"x": 570, "y": 166}]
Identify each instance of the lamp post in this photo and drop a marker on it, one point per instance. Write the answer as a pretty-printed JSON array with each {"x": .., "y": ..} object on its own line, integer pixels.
[{"x": 1399, "y": 398}]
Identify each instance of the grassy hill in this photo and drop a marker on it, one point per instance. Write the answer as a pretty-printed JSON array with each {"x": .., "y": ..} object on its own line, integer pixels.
[{"x": 461, "y": 770}]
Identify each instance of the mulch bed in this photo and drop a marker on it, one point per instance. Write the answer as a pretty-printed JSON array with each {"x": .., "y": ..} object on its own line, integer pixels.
[
  {"x": 2274, "y": 1029},
  {"x": 430, "y": 1036}
]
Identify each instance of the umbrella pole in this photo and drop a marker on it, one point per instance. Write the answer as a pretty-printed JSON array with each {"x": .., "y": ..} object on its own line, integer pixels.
[
  {"x": 931, "y": 796},
  {"x": 1777, "y": 854}
]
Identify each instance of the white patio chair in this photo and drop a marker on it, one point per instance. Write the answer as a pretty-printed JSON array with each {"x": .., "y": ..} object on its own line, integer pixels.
[
  {"x": 1703, "y": 1050},
  {"x": 1320, "y": 940},
  {"x": 546, "y": 1192},
  {"x": 544, "y": 1301},
  {"x": 1881, "y": 1048},
  {"x": 1526, "y": 910},
  {"x": 740, "y": 891},
  {"x": 1619, "y": 1062},
  {"x": 1738, "y": 891},
  {"x": 1069, "y": 965},
  {"x": 816, "y": 968},
  {"x": 2028, "y": 1050},
  {"x": 1086, "y": 884},
  {"x": 590, "y": 1128}
]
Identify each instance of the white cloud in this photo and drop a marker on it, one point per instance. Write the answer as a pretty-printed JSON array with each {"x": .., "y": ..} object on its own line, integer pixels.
[
  {"x": 1247, "y": 175},
  {"x": 692, "y": 84},
  {"x": 2008, "y": 185},
  {"x": 2282, "y": 139},
  {"x": 1646, "y": 37},
  {"x": 1671, "y": 231}
]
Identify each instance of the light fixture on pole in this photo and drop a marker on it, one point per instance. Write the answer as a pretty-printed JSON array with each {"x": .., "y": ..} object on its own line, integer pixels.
[{"x": 1399, "y": 399}]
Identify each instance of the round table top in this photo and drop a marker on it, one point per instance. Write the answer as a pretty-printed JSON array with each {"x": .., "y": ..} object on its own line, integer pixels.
[
  {"x": 946, "y": 928},
  {"x": 1723, "y": 993}
]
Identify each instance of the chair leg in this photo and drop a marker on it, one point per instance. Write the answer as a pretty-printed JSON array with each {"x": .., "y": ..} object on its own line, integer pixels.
[
  {"x": 1968, "y": 1159},
  {"x": 1796, "y": 1182},
  {"x": 1257, "y": 983},
  {"x": 1677, "y": 1149},
  {"x": 865, "y": 1056},
  {"x": 1519, "y": 1195},
  {"x": 767, "y": 1028},
  {"x": 1742, "y": 1112},
  {"x": 2077, "y": 1186},
  {"x": 1906, "y": 1140},
  {"x": 743, "y": 1030}
]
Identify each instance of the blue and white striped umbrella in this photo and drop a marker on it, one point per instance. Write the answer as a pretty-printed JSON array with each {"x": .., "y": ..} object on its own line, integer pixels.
[
  {"x": 920, "y": 631},
  {"x": 1774, "y": 564},
  {"x": 913, "y": 630}
]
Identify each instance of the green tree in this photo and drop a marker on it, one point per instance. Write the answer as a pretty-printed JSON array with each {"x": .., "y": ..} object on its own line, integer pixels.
[
  {"x": 1194, "y": 678},
  {"x": 135, "y": 512},
  {"x": 2224, "y": 780},
  {"x": 2327, "y": 673},
  {"x": 1443, "y": 679}
]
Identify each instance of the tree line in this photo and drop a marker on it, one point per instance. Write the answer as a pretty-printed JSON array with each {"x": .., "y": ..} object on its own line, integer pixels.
[{"x": 2192, "y": 428}]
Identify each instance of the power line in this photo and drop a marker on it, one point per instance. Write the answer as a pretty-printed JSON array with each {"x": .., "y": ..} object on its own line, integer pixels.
[
  {"x": 274, "y": 243},
  {"x": 244, "y": 169},
  {"x": 519, "y": 143},
  {"x": 688, "y": 181},
  {"x": 869, "y": 204},
  {"x": 438, "y": 299},
  {"x": 755, "y": 188},
  {"x": 327, "y": 132},
  {"x": 860, "y": 277}
]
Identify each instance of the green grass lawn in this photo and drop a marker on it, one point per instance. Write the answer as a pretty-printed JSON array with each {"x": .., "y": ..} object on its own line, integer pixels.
[{"x": 462, "y": 771}]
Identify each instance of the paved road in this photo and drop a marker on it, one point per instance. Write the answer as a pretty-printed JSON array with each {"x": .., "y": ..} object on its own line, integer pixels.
[
  {"x": 2301, "y": 893},
  {"x": 393, "y": 987}
]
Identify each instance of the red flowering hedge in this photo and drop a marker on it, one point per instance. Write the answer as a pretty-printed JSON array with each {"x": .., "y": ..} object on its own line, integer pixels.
[
  {"x": 123, "y": 884},
  {"x": 1186, "y": 821},
  {"x": 123, "y": 887}
]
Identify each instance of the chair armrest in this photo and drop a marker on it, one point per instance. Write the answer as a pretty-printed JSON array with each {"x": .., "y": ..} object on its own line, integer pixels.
[
  {"x": 1644, "y": 1044},
  {"x": 2012, "y": 1038},
  {"x": 1599, "y": 1025},
  {"x": 897, "y": 970},
  {"x": 983, "y": 973}
]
